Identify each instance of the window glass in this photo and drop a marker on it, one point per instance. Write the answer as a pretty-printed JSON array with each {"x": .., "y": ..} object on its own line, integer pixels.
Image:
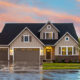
[
  {"x": 69, "y": 50},
  {"x": 63, "y": 50},
  {"x": 26, "y": 38},
  {"x": 67, "y": 38},
  {"x": 49, "y": 36},
  {"x": 48, "y": 27}
]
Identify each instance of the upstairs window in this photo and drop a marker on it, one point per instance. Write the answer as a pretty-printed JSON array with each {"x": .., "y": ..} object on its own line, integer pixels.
[
  {"x": 48, "y": 35},
  {"x": 26, "y": 38}
]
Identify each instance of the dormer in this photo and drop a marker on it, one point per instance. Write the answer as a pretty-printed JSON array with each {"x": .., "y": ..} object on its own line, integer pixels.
[{"x": 49, "y": 31}]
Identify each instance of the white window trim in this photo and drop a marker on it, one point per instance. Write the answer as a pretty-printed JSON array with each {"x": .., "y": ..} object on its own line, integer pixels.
[
  {"x": 67, "y": 50},
  {"x": 66, "y": 37},
  {"x": 48, "y": 26},
  {"x": 24, "y": 39},
  {"x": 48, "y": 32}
]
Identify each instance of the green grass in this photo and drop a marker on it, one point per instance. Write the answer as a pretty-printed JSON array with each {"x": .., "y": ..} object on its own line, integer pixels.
[{"x": 50, "y": 66}]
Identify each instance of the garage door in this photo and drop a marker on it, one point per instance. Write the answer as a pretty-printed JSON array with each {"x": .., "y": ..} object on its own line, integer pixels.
[
  {"x": 3, "y": 54},
  {"x": 28, "y": 55}
]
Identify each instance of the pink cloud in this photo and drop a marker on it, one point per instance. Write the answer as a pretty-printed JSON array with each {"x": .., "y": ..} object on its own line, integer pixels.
[
  {"x": 22, "y": 13},
  {"x": 78, "y": 0}
]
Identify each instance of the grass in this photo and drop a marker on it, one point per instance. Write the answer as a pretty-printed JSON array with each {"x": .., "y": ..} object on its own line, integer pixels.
[{"x": 50, "y": 66}]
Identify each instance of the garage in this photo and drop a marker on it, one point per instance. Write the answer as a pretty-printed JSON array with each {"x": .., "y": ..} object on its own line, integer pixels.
[
  {"x": 28, "y": 55},
  {"x": 3, "y": 54}
]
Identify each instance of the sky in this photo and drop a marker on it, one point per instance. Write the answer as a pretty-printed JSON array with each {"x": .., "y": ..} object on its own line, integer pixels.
[{"x": 39, "y": 11}]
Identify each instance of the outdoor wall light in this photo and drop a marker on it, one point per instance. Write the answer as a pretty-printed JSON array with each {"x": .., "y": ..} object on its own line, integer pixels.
[{"x": 11, "y": 51}]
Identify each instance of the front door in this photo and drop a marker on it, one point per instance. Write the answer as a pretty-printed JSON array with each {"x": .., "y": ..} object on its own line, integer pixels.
[{"x": 48, "y": 53}]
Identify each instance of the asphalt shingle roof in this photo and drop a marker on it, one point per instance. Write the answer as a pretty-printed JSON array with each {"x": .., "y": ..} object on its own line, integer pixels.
[{"x": 11, "y": 30}]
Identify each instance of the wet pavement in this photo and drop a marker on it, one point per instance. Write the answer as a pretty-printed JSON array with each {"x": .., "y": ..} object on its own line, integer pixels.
[{"x": 11, "y": 72}]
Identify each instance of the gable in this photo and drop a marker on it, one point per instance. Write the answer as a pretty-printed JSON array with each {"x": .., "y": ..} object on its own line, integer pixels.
[
  {"x": 62, "y": 41},
  {"x": 46, "y": 30},
  {"x": 19, "y": 43},
  {"x": 49, "y": 24}
]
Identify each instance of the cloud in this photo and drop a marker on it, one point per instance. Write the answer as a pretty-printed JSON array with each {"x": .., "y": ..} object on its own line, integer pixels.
[
  {"x": 25, "y": 13},
  {"x": 78, "y": 0}
]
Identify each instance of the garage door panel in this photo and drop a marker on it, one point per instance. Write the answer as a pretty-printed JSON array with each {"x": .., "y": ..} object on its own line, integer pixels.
[
  {"x": 3, "y": 54},
  {"x": 28, "y": 55}
]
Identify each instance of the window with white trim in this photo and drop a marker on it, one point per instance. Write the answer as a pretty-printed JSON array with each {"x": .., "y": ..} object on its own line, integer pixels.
[
  {"x": 66, "y": 50},
  {"x": 26, "y": 38},
  {"x": 48, "y": 35},
  {"x": 66, "y": 38}
]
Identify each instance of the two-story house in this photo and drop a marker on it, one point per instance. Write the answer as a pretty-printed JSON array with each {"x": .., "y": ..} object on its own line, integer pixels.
[{"x": 32, "y": 42}]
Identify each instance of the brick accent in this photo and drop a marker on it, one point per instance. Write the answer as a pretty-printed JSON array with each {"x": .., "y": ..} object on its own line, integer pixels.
[{"x": 67, "y": 58}]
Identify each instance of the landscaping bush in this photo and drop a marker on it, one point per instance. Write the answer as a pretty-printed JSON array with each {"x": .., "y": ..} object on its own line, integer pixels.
[
  {"x": 53, "y": 61},
  {"x": 63, "y": 61},
  {"x": 44, "y": 60}
]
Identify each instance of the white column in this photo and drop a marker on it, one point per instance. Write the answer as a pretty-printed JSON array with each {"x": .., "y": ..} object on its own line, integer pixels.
[{"x": 66, "y": 50}]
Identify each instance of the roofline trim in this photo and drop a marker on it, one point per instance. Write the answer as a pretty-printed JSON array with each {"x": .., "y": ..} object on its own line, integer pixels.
[
  {"x": 4, "y": 46},
  {"x": 46, "y": 25},
  {"x": 64, "y": 35},
  {"x": 21, "y": 33}
]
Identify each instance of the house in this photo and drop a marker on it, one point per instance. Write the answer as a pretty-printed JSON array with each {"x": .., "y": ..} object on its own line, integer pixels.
[{"x": 36, "y": 42}]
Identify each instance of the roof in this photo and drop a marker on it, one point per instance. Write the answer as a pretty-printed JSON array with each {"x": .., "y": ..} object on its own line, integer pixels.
[
  {"x": 11, "y": 30},
  {"x": 49, "y": 23}
]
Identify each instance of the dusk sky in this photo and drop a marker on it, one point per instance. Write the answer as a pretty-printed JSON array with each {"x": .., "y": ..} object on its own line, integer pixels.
[{"x": 34, "y": 11}]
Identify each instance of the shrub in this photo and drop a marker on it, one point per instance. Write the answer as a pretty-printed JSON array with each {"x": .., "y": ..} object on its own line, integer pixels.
[
  {"x": 63, "y": 61},
  {"x": 44, "y": 60},
  {"x": 53, "y": 61}
]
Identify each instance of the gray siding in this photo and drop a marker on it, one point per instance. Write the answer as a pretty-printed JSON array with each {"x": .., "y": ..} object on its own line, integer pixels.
[
  {"x": 71, "y": 42},
  {"x": 49, "y": 30}
]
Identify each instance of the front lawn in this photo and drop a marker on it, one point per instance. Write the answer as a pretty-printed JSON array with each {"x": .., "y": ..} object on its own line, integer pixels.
[{"x": 50, "y": 66}]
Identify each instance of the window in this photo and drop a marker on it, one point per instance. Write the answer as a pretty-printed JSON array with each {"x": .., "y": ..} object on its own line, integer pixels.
[
  {"x": 49, "y": 35},
  {"x": 63, "y": 50},
  {"x": 67, "y": 50},
  {"x": 26, "y": 38},
  {"x": 48, "y": 27},
  {"x": 66, "y": 38}
]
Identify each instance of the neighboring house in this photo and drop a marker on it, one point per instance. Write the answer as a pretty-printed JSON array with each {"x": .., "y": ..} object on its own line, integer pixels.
[{"x": 34, "y": 42}]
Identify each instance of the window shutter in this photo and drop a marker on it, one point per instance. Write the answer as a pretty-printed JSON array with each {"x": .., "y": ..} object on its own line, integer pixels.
[
  {"x": 53, "y": 35},
  {"x": 43, "y": 35},
  {"x": 30, "y": 38},
  {"x": 59, "y": 50},
  {"x": 22, "y": 38}
]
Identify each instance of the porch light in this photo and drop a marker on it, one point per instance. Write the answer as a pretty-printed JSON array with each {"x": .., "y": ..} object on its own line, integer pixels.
[
  {"x": 41, "y": 51},
  {"x": 11, "y": 51},
  {"x": 49, "y": 47}
]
